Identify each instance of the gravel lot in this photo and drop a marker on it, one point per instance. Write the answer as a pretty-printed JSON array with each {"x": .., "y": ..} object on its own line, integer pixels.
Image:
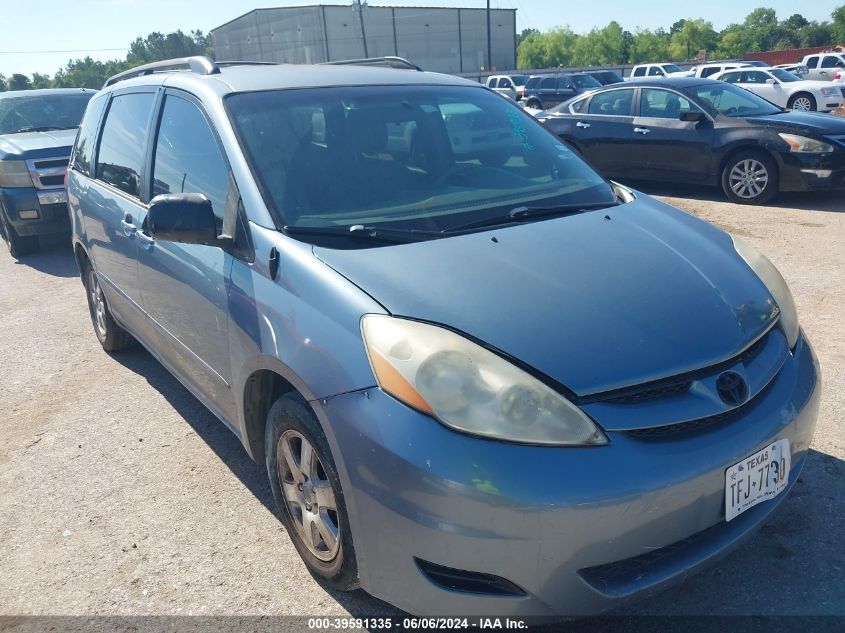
[{"x": 120, "y": 494}]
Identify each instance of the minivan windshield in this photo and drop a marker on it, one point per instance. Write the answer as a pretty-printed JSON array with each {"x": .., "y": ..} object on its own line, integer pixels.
[
  {"x": 421, "y": 158},
  {"x": 41, "y": 113},
  {"x": 729, "y": 100}
]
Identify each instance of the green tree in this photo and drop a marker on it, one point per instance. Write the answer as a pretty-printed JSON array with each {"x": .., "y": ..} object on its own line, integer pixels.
[
  {"x": 695, "y": 35},
  {"x": 524, "y": 34},
  {"x": 837, "y": 28},
  {"x": 649, "y": 46},
  {"x": 41, "y": 81},
  {"x": 157, "y": 46},
  {"x": 19, "y": 82},
  {"x": 2, "y": 82}
]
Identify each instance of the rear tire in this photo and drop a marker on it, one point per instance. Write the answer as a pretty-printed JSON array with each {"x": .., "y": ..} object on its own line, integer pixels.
[
  {"x": 112, "y": 337},
  {"x": 18, "y": 246},
  {"x": 534, "y": 103},
  {"x": 802, "y": 102},
  {"x": 308, "y": 495},
  {"x": 750, "y": 178}
]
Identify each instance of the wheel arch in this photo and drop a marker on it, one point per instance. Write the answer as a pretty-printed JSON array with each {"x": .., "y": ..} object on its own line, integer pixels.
[
  {"x": 81, "y": 256},
  {"x": 802, "y": 93},
  {"x": 747, "y": 147}
]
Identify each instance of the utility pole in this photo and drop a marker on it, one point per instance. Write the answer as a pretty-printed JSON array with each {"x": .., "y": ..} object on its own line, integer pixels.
[
  {"x": 489, "y": 47},
  {"x": 363, "y": 32}
]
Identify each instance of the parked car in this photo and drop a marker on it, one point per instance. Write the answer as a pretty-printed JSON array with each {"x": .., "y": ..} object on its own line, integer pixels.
[
  {"x": 422, "y": 349},
  {"x": 604, "y": 77},
  {"x": 703, "y": 131},
  {"x": 757, "y": 63},
  {"x": 707, "y": 70},
  {"x": 795, "y": 69},
  {"x": 644, "y": 71},
  {"x": 37, "y": 128},
  {"x": 785, "y": 89},
  {"x": 823, "y": 66},
  {"x": 546, "y": 91},
  {"x": 512, "y": 86}
]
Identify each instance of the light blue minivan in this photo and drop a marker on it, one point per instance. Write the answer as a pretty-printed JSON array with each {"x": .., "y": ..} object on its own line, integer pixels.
[{"x": 483, "y": 379}]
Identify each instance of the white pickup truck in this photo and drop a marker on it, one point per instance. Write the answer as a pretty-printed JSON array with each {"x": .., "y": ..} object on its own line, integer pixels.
[{"x": 823, "y": 66}]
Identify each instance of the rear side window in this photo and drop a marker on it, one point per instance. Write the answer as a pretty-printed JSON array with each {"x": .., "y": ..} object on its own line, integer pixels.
[
  {"x": 548, "y": 83},
  {"x": 84, "y": 148},
  {"x": 533, "y": 83},
  {"x": 612, "y": 102},
  {"x": 706, "y": 72},
  {"x": 639, "y": 72},
  {"x": 491, "y": 82},
  {"x": 812, "y": 62},
  {"x": 124, "y": 141},
  {"x": 187, "y": 156}
]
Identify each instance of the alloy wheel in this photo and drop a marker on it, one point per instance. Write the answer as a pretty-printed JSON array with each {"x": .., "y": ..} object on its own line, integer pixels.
[
  {"x": 98, "y": 303},
  {"x": 308, "y": 494},
  {"x": 748, "y": 178},
  {"x": 803, "y": 104}
]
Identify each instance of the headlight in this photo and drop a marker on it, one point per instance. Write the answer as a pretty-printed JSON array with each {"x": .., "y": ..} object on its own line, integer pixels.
[
  {"x": 829, "y": 92},
  {"x": 469, "y": 388},
  {"x": 770, "y": 276},
  {"x": 14, "y": 173},
  {"x": 803, "y": 144}
]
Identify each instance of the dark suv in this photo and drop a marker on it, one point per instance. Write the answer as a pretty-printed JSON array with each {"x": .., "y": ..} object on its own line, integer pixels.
[
  {"x": 545, "y": 91},
  {"x": 37, "y": 128}
]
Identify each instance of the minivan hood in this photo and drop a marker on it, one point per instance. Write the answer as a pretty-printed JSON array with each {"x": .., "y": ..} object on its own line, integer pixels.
[
  {"x": 32, "y": 144},
  {"x": 595, "y": 301}
]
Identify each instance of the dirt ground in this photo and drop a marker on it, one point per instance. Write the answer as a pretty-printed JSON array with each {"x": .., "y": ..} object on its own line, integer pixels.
[{"x": 120, "y": 494}]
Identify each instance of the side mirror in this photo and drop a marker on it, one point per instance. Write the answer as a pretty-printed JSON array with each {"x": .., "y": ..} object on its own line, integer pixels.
[
  {"x": 771, "y": 81},
  {"x": 693, "y": 115},
  {"x": 182, "y": 217}
]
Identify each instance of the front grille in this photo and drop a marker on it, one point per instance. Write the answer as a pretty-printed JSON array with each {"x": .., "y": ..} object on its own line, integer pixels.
[
  {"x": 48, "y": 173},
  {"x": 663, "y": 391}
]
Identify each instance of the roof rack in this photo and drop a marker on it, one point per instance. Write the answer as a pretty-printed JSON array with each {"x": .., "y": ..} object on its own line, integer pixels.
[
  {"x": 197, "y": 64},
  {"x": 390, "y": 62}
]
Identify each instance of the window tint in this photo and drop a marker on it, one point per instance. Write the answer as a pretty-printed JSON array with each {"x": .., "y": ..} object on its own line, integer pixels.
[
  {"x": 612, "y": 102},
  {"x": 706, "y": 72},
  {"x": 754, "y": 77},
  {"x": 731, "y": 78},
  {"x": 831, "y": 61},
  {"x": 187, "y": 157},
  {"x": 578, "y": 106},
  {"x": 662, "y": 104},
  {"x": 533, "y": 83},
  {"x": 84, "y": 147},
  {"x": 427, "y": 157},
  {"x": 565, "y": 83},
  {"x": 33, "y": 112},
  {"x": 639, "y": 72},
  {"x": 812, "y": 62},
  {"x": 549, "y": 83},
  {"x": 654, "y": 71},
  {"x": 124, "y": 141},
  {"x": 505, "y": 83}
]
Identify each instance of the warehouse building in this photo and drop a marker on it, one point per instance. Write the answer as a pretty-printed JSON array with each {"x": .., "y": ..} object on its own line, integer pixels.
[{"x": 438, "y": 39}]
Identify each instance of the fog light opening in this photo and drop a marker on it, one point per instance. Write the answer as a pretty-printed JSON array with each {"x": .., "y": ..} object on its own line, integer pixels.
[
  {"x": 467, "y": 581},
  {"x": 28, "y": 214}
]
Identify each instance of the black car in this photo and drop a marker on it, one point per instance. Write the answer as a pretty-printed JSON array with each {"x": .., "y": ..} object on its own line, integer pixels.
[
  {"x": 545, "y": 91},
  {"x": 605, "y": 77},
  {"x": 703, "y": 131}
]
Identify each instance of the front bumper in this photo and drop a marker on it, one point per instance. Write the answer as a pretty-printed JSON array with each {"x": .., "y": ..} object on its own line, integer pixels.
[
  {"x": 580, "y": 530},
  {"x": 50, "y": 205},
  {"x": 811, "y": 172}
]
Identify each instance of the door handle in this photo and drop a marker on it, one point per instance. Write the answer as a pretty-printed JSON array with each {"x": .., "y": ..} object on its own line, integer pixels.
[
  {"x": 641, "y": 130},
  {"x": 129, "y": 229},
  {"x": 582, "y": 124},
  {"x": 147, "y": 241}
]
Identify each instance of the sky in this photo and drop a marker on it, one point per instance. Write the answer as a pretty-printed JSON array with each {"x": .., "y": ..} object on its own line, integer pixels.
[{"x": 42, "y": 35}]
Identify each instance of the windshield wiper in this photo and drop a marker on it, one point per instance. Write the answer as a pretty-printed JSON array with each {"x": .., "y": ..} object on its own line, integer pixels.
[
  {"x": 361, "y": 231},
  {"x": 43, "y": 128},
  {"x": 518, "y": 214}
]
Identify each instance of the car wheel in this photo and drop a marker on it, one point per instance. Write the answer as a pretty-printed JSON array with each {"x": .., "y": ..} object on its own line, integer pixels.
[
  {"x": 307, "y": 492},
  {"x": 750, "y": 178},
  {"x": 802, "y": 102},
  {"x": 112, "y": 337},
  {"x": 18, "y": 246}
]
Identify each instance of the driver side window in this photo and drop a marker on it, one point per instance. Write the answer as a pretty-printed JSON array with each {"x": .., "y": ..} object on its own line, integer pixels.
[
  {"x": 654, "y": 71},
  {"x": 662, "y": 104}
]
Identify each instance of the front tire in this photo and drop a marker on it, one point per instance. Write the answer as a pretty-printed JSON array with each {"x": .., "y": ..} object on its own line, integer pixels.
[
  {"x": 750, "y": 178},
  {"x": 307, "y": 492},
  {"x": 112, "y": 337},
  {"x": 534, "y": 103},
  {"x": 18, "y": 246},
  {"x": 802, "y": 102}
]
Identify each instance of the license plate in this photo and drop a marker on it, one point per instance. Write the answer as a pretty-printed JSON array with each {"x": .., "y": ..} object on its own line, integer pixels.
[{"x": 756, "y": 478}]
